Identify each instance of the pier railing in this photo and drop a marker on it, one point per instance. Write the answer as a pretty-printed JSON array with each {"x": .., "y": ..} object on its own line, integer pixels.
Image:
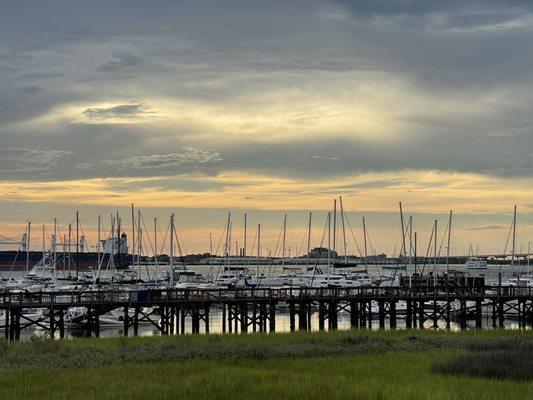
[{"x": 171, "y": 295}]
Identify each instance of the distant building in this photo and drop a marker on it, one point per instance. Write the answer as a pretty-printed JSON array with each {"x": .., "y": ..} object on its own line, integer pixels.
[{"x": 322, "y": 252}]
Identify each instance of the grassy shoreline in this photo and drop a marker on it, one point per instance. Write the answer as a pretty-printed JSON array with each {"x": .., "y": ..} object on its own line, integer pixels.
[{"x": 348, "y": 364}]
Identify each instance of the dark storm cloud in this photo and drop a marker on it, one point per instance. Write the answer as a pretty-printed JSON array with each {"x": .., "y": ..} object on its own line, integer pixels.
[
  {"x": 423, "y": 7},
  {"x": 157, "y": 161},
  {"x": 121, "y": 60},
  {"x": 120, "y": 111},
  {"x": 21, "y": 160}
]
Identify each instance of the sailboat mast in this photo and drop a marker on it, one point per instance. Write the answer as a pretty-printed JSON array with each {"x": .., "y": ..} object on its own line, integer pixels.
[
  {"x": 171, "y": 258},
  {"x": 28, "y": 239},
  {"x": 403, "y": 252},
  {"x": 528, "y": 253},
  {"x": 410, "y": 227},
  {"x": 343, "y": 232},
  {"x": 77, "y": 242},
  {"x": 44, "y": 250},
  {"x": 284, "y": 239},
  {"x": 119, "y": 246},
  {"x": 99, "y": 239},
  {"x": 449, "y": 240},
  {"x": 329, "y": 239},
  {"x": 309, "y": 239},
  {"x": 132, "y": 230},
  {"x": 258, "y": 249},
  {"x": 139, "y": 243},
  {"x": 414, "y": 251},
  {"x": 54, "y": 245},
  {"x": 334, "y": 225},
  {"x": 155, "y": 240},
  {"x": 366, "y": 250},
  {"x": 435, "y": 248},
  {"x": 226, "y": 245},
  {"x": 514, "y": 239},
  {"x": 68, "y": 248},
  {"x": 244, "y": 244}
]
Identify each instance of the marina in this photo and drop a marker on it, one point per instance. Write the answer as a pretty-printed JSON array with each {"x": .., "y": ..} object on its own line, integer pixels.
[{"x": 121, "y": 291}]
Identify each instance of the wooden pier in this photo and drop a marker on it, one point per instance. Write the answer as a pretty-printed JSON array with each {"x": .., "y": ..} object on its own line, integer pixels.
[{"x": 255, "y": 310}]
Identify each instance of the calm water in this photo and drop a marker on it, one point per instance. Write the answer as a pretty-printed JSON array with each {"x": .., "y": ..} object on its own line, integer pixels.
[{"x": 282, "y": 325}]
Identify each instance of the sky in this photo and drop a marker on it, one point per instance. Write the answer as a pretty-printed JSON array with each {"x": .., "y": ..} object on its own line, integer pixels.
[{"x": 201, "y": 108}]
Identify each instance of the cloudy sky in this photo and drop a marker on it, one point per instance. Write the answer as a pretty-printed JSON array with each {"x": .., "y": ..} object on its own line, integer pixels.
[{"x": 204, "y": 107}]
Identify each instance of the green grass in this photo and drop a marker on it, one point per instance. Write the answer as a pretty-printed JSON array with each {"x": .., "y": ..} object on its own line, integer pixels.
[{"x": 339, "y": 365}]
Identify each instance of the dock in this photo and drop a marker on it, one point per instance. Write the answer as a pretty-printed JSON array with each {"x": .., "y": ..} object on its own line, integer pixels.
[{"x": 255, "y": 310}]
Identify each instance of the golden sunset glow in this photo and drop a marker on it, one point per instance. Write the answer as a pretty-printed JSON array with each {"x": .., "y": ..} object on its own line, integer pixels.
[{"x": 425, "y": 191}]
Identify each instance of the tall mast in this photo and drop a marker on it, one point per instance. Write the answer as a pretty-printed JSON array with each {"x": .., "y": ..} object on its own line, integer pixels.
[
  {"x": 329, "y": 240},
  {"x": 528, "y": 253},
  {"x": 44, "y": 250},
  {"x": 171, "y": 260},
  {"x": 132, "y": 230},
  {"x": 99, "y": 239},
  {"x": 244, "y": 245},
  {"x": 230, "y": 232},
  {"x": 449, "y": 238},
  {"x": 118, "y": 234},
  {"x": 435, "y": 247},
  {"x": 514, "y": 239},
  {"x": 403, "y": 252},
  {"x": 258, "y": 249},
  {"x": 28, "y": 239},
  {"x": 210, "y": 244},
  {"x": 77, "y": 242},
  {"x": 139, "y": 243},
  {"x": 156, "y": 273},
  {"x": 111, "y": 259},
  {"x": 309, "y": 238},
  {"x": 414, "y": 250},
  {"x": 334, "y": 225},
  {"x": 227, "y": 245},
  {"x": 68, "y": 248},
  {"x": 343, "y": 232},
  {"x": 54, "y": 245},
  {"x": 410, "y": 227},
  {"x": 284, "y": 238},
  {"x": 65, "y": 252},
  {"x": 119, "y": 243},
  {"x": 364, "y": 235}
]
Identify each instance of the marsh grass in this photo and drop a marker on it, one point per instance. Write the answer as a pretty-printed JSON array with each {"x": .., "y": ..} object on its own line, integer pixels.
[
  {"x": 334, "y": 365},
  {"x": 81, "y": 353},
  {"x": 514, "y": 364},
  {"x": 395, "y": 375}
]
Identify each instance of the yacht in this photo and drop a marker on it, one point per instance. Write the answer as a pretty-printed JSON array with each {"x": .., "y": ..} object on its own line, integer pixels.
[
  {"x": 333, "y": 281},
  {"x": 476, "y": 263}
]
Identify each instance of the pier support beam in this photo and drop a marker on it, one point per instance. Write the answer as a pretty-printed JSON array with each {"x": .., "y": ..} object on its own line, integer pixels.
[
  {"x": 392, "y": 312},
  {"x": 321, "y": 315},
  {"x": 292, "y": 317},
  {"x": 272, "y": 318},
  {"x": 409, "y": 315},
  {"x": 381, "y": 314},
  {"x": 354, "y": 314},
  {"x": 126, "y": 321},
  {"x": 479, "y": 317},
  {"x": 332, "y": 315}
]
